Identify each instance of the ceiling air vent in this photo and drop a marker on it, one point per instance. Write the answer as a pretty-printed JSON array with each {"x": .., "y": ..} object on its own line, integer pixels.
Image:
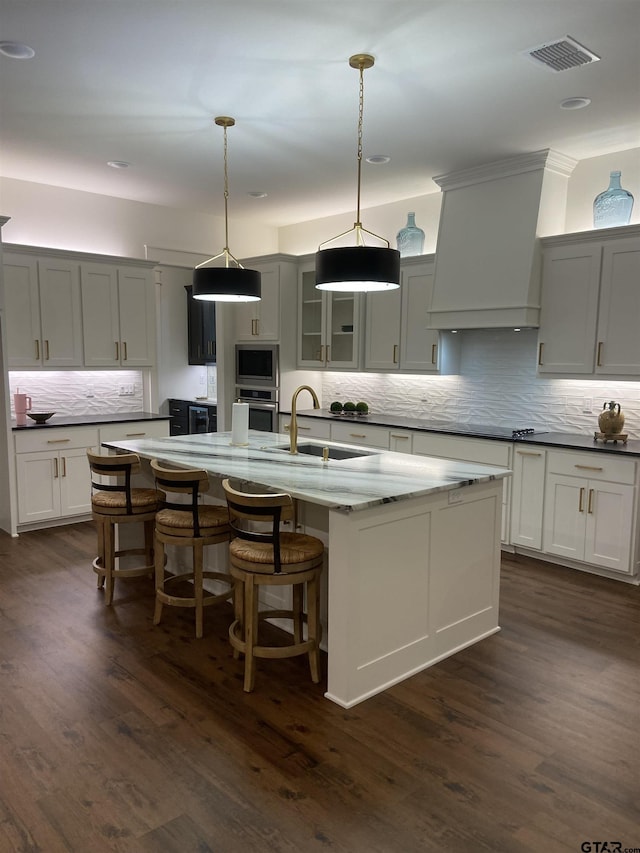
[{"x": 562, "y": 54}]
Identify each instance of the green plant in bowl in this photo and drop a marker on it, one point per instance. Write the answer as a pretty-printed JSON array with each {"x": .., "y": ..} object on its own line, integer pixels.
[
  {"x": 349, "y": 408},
  {"x": 336, "y": 408},
  {"x": 362, "y": 408}
]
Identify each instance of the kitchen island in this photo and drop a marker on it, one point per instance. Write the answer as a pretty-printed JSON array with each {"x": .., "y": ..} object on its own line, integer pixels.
[{"x": 413, "y": 569}]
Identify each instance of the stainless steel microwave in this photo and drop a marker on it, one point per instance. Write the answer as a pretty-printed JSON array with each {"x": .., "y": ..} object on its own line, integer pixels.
[{"x": 257, "y": 365}]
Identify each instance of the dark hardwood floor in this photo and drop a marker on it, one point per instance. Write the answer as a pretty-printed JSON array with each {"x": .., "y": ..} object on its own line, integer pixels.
[{"x": 118, "y": 736}]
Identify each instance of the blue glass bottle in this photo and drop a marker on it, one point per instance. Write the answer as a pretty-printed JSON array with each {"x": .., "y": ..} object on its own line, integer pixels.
[
  {"x": 410, "y": 239},
  {"x": 613, "y": 206}
]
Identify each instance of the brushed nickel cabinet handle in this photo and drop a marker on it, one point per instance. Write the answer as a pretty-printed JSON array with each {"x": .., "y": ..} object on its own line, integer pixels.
[
  {"x": 124, "y": 350},
  {"x": 540, "y": 348},
  {"x": 434, "y": 353},
  {"x": 588, "y": 468},
  {"x": 599, "y": 355},
  {"x": 55, "y": 467},
  {"x": 395, "y": 353},
  {"x": 117, "y": 351},
  {"x": 46, "y": 350},
  {"x": 581, "y": 500},
  {"x": 590, "y": 506},
  {"x": 57, "y": 440},
  {"x": 37, "y": 343},
  {"x": 527, "y": 453}
]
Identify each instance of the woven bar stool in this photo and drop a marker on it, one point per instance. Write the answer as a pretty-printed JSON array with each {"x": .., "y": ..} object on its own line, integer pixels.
[
  {"x": 271, "y": 557},
  {"x": 193, "y": 525},
  {"x": 114, "y": 503}
]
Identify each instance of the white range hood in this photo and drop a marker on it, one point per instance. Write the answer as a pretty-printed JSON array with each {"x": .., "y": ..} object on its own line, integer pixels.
[{"x": 487, "y": 267}]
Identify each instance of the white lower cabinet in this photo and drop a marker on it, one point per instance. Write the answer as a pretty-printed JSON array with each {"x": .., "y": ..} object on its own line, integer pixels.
[
  {"x": 589, "y": 510},
  {"x": 527, "y": 496},
  {"x": 307, "y": 427},
  {"x": 53, "y": 474},
  {"x": 352, "y": 432}
]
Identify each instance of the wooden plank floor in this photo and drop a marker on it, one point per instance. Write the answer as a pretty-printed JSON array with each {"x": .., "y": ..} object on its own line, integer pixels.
[{"x": 118, "y": 736}]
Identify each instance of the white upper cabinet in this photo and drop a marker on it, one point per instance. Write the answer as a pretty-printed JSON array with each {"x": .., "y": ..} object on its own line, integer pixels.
[
  {"x": 119, "y": 318},
  {"x": 328, "y": 325},
  {"x": 270, "y": 317},
  {"x": 590, "y": 304},
  {"x": 396, "y": 333},
  {"x": 42, "y": 300}
]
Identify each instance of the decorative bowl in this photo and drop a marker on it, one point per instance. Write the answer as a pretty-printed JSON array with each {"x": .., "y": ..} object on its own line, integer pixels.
[{"x": 40, "y": 417}]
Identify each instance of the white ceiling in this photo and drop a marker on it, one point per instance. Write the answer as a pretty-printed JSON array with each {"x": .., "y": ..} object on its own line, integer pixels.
[{"x": 141, "y": 80}]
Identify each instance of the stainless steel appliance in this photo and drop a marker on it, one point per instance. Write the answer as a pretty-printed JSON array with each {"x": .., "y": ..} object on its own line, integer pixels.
[
  {"x": 257, "y": 366},
  {"x": 263, "y": 407}
]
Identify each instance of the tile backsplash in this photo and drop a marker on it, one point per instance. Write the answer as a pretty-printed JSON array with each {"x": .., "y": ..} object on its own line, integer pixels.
[
  {"x": 497, "y": 384},
  {"x": 80, "y": 392}
]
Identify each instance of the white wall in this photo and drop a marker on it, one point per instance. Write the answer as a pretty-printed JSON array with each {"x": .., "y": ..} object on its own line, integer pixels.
[{"x": 43, "y": 215}]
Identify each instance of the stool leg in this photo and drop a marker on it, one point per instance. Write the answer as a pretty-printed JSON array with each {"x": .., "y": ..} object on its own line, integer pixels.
[
  {"x": 313, "y": 627},
  {"x": 109, "y": 535},
  {"x": 148, "y": 542},
  {"x": 297, "y": 606},
  {"x": 198, "y": 554},
  {"x": 159, "y": 565},
  {"x": 250, "y": 632},
  {"x": 100, "y": 524},
  {"x": 238, "y": 609}
]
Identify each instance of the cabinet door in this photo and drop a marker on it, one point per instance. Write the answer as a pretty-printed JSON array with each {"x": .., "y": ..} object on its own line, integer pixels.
[
  {"x": 527, "y": 502},
  {"x": 201, "y": 329},
  {"x": 400, "y": 441},
  {"x": 618, "y": 349},
  {"x": 100, "y": 315},
  {"x": 569, "y": 308},
  {"x": 260, "y": 321},
  {"x": 311, "y": 322},
  {"x": 61, "y": 313},
  {"x": 382, "y": 330},
  {"x": 342, "y": 335},
  {"x": 22, "y": 304},
  {"x": 565, "y": 516},
  {"x": 609, "y": 526},
  {"x": 75, "y": 482},
  {"x": 419, "y": 346},
  {"x": 137, "y": 318},
  {"x": 38, "y": 476}
]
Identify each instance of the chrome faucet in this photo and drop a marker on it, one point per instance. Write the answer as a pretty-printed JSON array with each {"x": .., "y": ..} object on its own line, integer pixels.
[{"x": 293, "y": 429}]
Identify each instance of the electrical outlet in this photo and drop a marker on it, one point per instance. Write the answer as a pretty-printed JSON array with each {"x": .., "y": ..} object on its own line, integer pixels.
[
  {"x": 127, "y": 390},
  {"x": 587, "y": 406}
]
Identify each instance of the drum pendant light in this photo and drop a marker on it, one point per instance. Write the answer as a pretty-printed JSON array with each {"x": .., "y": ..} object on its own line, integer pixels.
[
  {"x": 358, "y": 268},
  {"x": 225, "y": 283}
]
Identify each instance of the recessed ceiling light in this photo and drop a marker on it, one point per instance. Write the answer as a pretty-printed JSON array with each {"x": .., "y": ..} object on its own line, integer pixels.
[
  {"x": 257, "y": 194},
  {"x": 378, "y": 159},
  {"x": 16, "y": 50},
  {"x": 118, "y": 164},
  {"x": 575, "y": 103}
]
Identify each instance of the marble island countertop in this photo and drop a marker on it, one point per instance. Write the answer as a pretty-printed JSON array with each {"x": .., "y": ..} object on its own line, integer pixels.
[{"x": 375, "y": 478}]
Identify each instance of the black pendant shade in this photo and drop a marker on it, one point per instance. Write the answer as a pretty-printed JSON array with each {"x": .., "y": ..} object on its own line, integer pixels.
[
  {"x": 226, "y": 284},
  {"x": 357, "y": 268}
]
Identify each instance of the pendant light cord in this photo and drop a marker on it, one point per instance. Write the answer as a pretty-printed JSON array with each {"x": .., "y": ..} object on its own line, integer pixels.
[
  {"x": 358, "y": 224},
  {"x": 226, "y": 200}
]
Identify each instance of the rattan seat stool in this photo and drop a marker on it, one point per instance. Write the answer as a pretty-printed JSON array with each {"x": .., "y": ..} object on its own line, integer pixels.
[
  {"x": 114, "y": 503},
  {"x": 271, "y": 557},
  {"x": 193, "y": 525}
]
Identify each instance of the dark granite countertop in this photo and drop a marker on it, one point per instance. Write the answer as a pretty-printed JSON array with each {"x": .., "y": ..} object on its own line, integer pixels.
[
  {"x": 550, "y": 440},
  {"x": 92, "y": 420}
]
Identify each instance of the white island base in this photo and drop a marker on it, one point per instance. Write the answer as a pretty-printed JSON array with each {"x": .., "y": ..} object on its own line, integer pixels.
[{"x": 409, "y": 584}]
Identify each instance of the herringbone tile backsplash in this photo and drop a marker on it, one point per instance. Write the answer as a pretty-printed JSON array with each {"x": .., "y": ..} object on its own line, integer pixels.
[{"x": 497, "y": 384}]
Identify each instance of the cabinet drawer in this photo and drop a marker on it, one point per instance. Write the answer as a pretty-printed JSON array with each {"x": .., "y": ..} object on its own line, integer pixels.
[
  {"x": 594, "y": 466},
  {"x": 134, "y": 429},
  {"x": 357, "y": 433},
  {"x": 481, "y": 450},
  {"x": 309, "y": 427},
  {"x": 56, "y": 439}
]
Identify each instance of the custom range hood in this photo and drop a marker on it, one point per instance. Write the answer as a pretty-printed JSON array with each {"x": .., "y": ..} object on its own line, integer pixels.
[{"x": 487, "y": 265}]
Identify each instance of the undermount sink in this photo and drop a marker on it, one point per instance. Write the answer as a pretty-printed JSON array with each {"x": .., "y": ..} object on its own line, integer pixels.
[{"x": 334, "y": 452}]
